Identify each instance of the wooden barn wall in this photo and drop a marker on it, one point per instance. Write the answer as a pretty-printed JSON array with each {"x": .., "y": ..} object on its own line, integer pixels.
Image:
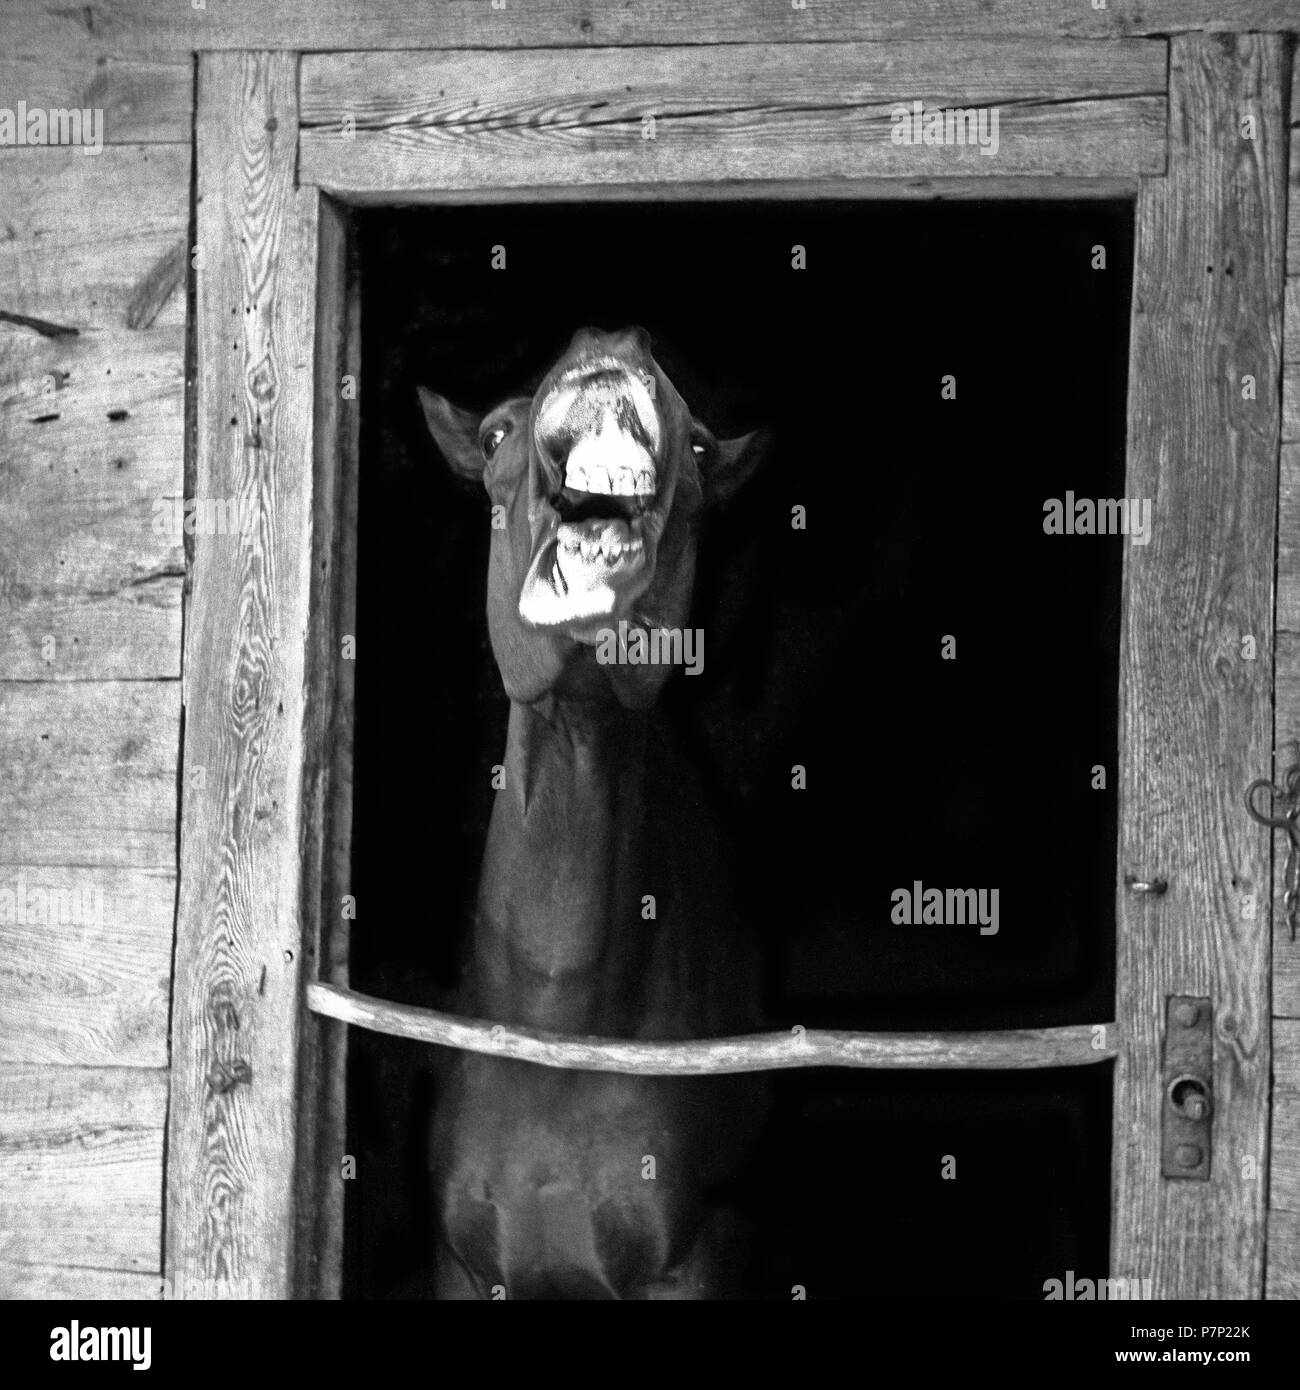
[
  {"x": 94, "y": 262},
  {"x": 130, "y": 28},
  {"x": 94, "y": 251},
  {"x": 1283, "y": 1254}
]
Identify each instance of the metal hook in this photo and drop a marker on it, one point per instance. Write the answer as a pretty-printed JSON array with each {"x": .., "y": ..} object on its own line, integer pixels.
[
  {"x": 1276, "y": 794},
  {"x": 1288, "y": 797}
]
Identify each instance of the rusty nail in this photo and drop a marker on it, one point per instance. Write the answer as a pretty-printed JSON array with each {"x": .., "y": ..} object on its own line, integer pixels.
[{"x": 1187, "y": 1014}]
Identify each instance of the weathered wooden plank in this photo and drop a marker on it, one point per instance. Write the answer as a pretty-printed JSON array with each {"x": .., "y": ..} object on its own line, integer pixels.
[
  {"x": 85, "y": 965},
  {"x": 144, "y": 101},
  {"x": 81, "y": 235},
  {"x": 327, "y": 794},
  {"x": 1284, "y": 1167},
  {"x": 1195, "y": 716},
  {"x": 129, "y": 27},
  {"x": 1288, "y": 551},
  {"x": 235, "y": 1029},
  {"x": 1286, "y": 953},
  {"x": 90, "y": 772},
  {"x": 610, "y": 85},
  {"x": 90, "y": 430},
  {"x": 409, "y": 122},
  {"x": 1284, "y": 1254},
  {"x": 1291, "y": 317},
  {"x": 64, "y": 1283},
  {"x": 1293, "y": 202},
  {"x": 1287, "y": 727},
  {"x": 1107, "y": 139},
  {"x": 910, "y": 189},
  {"x": 91, "y": 437},
  {"x": 81, "y": 1166},
  {"x": 1291, "y": 403},
  {"x": 1078, "y": 1045}
]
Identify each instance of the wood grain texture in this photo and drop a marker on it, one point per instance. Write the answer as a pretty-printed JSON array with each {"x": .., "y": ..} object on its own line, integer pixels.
[
  {"x": 1293, "y": 184},
  {"x": 327, "y": 757},
  {"x": 135, "y": 27},
  {"x": 1284, "y": 1168},
  {"x": 1195, "y": 717},
  {"x": 740, "y": 113},
  {"x": 1079, "y": 140},
  {"x": 1291, "y": 316},
  {"x": 144, "y": 101},
  {"x": 1288, "y": 570},
  {"x": 91, "y": 420},
  {"x": 1286, "y": 953},
  {"x": 79, "y": 233},
  {"x": 608, "y": 85},
  {"x": 91, "y": 436},
  {"x": 919, "y": 188},
  {"x": 67, "y": 1282},
  {"x": 1284, "y": 1254},
  {"x": 235, "y": 1025},
  {"x": 90, "y": 773},
  {"x": 85, "y": 965},
  {"x": 81, "y": 1166},
  {"x": 1024, "y": 1049}
]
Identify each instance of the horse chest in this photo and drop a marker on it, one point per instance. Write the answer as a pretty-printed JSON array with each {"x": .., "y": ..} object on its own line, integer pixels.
[{"x": 564, "y": 1179}]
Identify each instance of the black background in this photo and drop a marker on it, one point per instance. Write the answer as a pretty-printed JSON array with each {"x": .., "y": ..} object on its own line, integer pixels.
[{"x": 822, "y": 649}]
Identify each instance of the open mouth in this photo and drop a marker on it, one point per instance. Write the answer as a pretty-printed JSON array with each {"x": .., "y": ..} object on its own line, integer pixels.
[{"x": 597, "y": 434}]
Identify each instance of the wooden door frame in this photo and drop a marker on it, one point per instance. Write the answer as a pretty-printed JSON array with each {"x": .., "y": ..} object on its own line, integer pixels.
[
  {"x": 283, "y": 144},
  {"x": 1196, "y": 700},
  {"x": 256, "y": 1115}
]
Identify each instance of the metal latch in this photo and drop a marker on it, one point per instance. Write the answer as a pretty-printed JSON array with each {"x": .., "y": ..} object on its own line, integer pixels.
[
  {"x": 1189, "y": 1088},
  {"x": 1283, "y": 814}
]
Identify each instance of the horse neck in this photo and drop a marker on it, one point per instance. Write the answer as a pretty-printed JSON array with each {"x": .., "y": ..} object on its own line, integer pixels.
[{"x": 559, "y": 942}]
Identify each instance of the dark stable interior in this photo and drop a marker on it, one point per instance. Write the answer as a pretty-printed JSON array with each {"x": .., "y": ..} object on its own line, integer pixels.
[{"x": 823, "y": 649}]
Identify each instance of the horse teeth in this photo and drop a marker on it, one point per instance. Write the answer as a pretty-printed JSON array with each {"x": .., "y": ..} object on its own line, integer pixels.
[{"x": 612, "y": 479}]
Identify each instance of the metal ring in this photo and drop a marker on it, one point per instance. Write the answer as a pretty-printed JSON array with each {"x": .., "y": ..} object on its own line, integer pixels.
[
  {"x": 1200, "y": 1095},
  {"x": 1273, "y": 795}
]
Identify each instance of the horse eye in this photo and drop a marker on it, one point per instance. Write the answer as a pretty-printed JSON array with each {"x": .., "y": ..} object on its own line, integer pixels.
[
  {"x": 700, "y": 449},
  {"x": 492, "y": 440}
]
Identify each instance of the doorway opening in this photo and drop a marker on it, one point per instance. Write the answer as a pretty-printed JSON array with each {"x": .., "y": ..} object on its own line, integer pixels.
[{"x": 884, "y": 610}]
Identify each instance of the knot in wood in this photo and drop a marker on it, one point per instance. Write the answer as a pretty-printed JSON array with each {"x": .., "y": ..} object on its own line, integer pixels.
[
  {"x": 263, "y": 380},
  {"x": 225, "y": 1076},
  {"x": 223, "y": 1016}
]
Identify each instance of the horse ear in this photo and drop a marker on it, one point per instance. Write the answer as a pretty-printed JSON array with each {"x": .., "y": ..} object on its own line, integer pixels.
[
  {"x": 732, "y": 464},
  {"x": 455, "y": 432}
]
